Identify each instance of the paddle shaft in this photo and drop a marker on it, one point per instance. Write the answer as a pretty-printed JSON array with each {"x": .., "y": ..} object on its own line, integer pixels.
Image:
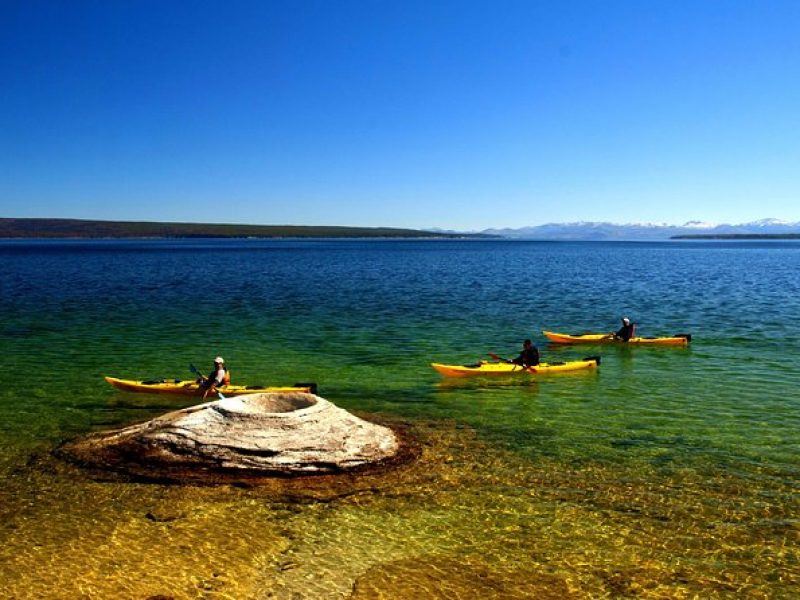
[{"x": 511, "y": 362}]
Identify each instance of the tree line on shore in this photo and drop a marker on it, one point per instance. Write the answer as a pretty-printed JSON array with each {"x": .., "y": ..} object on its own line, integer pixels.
[{"x": 80, "y": 228}]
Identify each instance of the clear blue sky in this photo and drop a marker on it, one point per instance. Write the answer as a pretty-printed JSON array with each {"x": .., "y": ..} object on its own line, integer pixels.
[{"x": 452, "y": 114}]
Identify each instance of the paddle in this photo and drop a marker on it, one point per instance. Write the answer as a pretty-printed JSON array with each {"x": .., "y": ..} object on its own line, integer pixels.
[
  {"x": 509, "y": 361},
  {"x": 500, "y": 358}
]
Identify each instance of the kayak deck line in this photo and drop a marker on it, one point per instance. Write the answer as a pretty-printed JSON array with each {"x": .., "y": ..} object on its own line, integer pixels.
[
  {"x": 681, "y": 339},
  {"x": 192, "y": 388},
  {"x": 485, "y": 368}
]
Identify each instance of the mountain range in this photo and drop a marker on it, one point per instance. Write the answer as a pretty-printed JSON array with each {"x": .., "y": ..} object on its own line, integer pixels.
[{"x": 592, "y": 230}]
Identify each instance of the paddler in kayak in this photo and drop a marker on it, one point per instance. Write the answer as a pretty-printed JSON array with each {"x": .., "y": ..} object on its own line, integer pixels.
[
  {"x": 529, "y": 357},
  {"x": 626, "y": 332},
  {"x": 218, "y": 377}
]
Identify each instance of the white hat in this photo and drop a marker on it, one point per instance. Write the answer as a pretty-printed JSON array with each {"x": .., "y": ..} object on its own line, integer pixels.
[
  {"x": 219, "y": 360},
  {"x": 625, "y": 320}
]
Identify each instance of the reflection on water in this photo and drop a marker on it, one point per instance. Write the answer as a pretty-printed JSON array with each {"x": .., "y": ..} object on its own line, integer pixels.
[{"x": 465, "y": 520}]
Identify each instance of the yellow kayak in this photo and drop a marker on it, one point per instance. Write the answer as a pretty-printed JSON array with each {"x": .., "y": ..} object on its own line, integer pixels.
[
  {"x": 606, "y": 338},
  {"x": 485, "y": 368},
  {"x": 191, "y": 388}
]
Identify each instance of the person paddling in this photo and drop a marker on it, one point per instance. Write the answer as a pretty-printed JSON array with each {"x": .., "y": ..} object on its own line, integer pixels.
[
  {"x": 217, "y": 378},
  {"x": 626, "y": 332},
  {"x": 529, "y": 357}
]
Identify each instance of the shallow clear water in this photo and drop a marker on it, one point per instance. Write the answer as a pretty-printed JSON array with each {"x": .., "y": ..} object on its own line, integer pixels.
[{"x": 667, "y": 472}]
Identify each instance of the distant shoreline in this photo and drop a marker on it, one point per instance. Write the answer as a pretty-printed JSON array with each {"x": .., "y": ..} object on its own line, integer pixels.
[
  {"x": 87, "y": 229},
  {"x": 11, "y": 228}
]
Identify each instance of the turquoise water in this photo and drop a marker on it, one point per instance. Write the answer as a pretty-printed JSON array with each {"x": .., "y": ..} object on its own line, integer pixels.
[{"x": 364, "y": 319}]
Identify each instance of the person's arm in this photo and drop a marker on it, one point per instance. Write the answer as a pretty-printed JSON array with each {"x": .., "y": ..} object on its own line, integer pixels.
[{"x": 212, "y": 383}]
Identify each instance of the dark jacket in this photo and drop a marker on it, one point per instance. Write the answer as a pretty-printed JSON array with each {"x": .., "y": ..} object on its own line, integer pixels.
[
  {"x": 625, "y": 332},
  {"x": 529, "y": 357}
]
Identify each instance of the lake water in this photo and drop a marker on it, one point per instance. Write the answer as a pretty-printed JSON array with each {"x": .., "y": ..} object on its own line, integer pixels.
[{"x": 668, "y": 472}]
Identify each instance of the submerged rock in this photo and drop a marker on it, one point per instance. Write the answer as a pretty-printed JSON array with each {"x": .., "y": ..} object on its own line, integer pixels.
[{"x": 253, "y": 435}]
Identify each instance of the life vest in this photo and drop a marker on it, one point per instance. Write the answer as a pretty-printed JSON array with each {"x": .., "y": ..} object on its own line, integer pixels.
[{"x": 227, "y": 379}]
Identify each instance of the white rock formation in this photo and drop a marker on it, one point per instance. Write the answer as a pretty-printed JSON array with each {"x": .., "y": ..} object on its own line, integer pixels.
[{"x": 255, "y": 434}]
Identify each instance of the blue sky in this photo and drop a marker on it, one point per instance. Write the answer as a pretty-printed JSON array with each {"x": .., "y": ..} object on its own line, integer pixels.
[{"x": 451, "y": 114}]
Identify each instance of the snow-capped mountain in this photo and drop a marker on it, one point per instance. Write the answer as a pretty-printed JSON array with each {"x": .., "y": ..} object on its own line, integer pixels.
[{"x": 592, "y": 230}]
